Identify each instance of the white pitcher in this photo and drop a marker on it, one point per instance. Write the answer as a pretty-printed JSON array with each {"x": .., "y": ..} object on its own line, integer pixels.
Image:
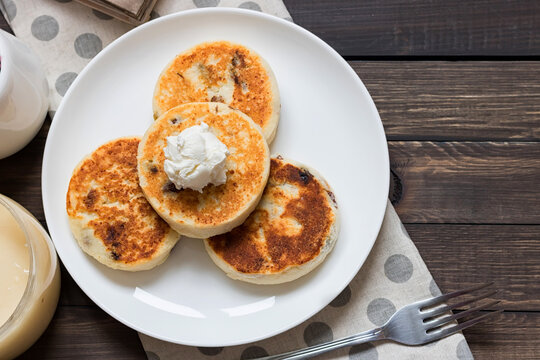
[{"x": 23, "y": 95}]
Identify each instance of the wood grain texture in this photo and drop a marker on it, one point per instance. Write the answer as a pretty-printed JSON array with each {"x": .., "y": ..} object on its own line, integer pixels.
[
  {"x": 470, "y": 100},
  {"x": 459, "y": 256},
  {"x": 84, "y": 332},
  {"x": 424, "y": 27},
  {"x": 466, "y": 182},
  {"x": 70, "y": 293},
  {"x": 510, "y": 335},
  {"x": 21, "y": 174},
  {"x": 4, "y": 25}
]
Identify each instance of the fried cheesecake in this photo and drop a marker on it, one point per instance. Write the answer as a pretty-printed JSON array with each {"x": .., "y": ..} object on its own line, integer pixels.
[
  {"x": 221, "y": 72},
  {"x": 292, "y": 230},
  {"x": 215, "y": 209},
  {"x": 108, "y": 214}
]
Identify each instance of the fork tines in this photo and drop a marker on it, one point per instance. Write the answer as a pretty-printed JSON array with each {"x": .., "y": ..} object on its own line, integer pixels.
[{"x": 431, "y": 309}]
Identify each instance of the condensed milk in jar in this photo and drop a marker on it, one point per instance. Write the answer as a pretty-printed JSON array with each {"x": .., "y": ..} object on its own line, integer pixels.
[{"x": 29, "y": 279}]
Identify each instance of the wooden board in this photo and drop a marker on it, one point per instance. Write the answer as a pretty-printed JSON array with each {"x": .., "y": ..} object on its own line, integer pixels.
[
  {"x": 465, "y": 100},
  {"x": 459, "y": 256},
  {"x": 424, "y": 27},
  {"x": 511, "y": 335},
  {"x": 84, "y": 332},
  {"x": 21, "y": 174},
  {"x": 466, "y": 182},
  {"x": 4, "y": 25}
]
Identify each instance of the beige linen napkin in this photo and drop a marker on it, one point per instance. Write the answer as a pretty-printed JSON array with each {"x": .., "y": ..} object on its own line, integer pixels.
[{"x": 67, "y": 35}]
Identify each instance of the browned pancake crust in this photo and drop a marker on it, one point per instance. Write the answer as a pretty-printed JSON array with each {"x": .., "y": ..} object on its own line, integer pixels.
[
  {"x": 132, "y": 231},
  {"x": 245, "y": 68},
  {"x": 281, "y": 245},
  {"x": 215, "y": 204}
]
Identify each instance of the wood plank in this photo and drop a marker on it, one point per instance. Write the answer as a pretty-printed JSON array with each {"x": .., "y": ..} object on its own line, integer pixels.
[
  {"x": 21, "y": 174},
  {"x": 70, "y": 293},
  {"x": 471, "y": 100},
  {"x": 510, "y": 335},
  {"x": 424, "y": 27},
  {"x": 460, "y": 256},
  {"x": 466, "y": 182},
  {"x": 87, "y": 333},
  {"x": 4, "y": 24}
]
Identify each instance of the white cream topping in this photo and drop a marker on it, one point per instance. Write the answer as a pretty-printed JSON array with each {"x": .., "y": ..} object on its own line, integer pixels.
[{"x": 195, "y": 158}]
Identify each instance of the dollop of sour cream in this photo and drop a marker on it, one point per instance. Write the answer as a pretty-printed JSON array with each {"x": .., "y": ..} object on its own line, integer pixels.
[{"x": 195, "y": 158}]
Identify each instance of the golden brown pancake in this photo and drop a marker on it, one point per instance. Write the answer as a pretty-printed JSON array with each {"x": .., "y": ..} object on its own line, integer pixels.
[
  {"x": 221, "y": 72},
  {"x": 217, "y": 209},
  {"x": 293, "y": 228},
  {"x": 108, "y": 213}
]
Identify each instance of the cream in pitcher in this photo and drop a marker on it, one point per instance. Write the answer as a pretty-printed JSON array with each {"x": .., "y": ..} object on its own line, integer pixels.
[
  {"x": 29, "y": 279},
  {"x": 23, "y": 95}
]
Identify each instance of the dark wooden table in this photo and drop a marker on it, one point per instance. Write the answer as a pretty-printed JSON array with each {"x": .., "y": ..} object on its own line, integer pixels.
[{"x": 457, "y": 85}]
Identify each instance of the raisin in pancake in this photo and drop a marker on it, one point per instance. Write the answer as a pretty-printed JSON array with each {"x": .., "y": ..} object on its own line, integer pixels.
[
  {"x": 293, "y": 228},
  {"x": 108, "y": 213},
  {"x": 221, "y": 72},
  {"x": 217, "y": 209}
]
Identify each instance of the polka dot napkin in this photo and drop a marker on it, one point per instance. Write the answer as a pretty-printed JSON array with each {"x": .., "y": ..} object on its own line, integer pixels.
[{"x": 67, "y": 35}]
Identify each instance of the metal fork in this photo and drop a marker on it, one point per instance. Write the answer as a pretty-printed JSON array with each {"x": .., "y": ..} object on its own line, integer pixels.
[{"x": 418, "y": 323}]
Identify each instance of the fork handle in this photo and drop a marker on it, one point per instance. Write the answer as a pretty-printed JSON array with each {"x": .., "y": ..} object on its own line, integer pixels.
[{"x": 305, "y": 353}]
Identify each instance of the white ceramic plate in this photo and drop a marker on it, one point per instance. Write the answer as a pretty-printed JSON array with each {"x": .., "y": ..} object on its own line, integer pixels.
[{"x": 328, "y": 121}]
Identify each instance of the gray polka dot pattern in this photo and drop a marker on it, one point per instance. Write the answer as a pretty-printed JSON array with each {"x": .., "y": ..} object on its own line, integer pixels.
[
  {"x": 88, "y": 45},
  {"x": 250, "y": 5},
  {"x": 44, "y": 28},
  {"x": 150, "y": 355},
  {"x": 380, "y": 310},
  {"x": 63, "y": 82},
  {"x": 398, "y": 268},
  {"x": 317, "y": 332},
  {"x": 205, "y": 3},
  {"x": 253, "y": 352},
  {"x": 434, "y": 289},
  {"x": 463, "y": 352},
  {"x": 101, "y": 15},
  {"x": 11, "y": 9},
  {"x": 343, "y": 298},
  {"x": 210, "y": 351},
  {"x": 363, "y": 352}
]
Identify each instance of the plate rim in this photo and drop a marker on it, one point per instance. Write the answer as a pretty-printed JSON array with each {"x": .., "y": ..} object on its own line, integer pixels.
[{"x": 254, "y": 14}]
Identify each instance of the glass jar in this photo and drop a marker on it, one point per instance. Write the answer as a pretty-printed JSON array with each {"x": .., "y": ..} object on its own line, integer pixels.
[{"x": 37, "y": 265}]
